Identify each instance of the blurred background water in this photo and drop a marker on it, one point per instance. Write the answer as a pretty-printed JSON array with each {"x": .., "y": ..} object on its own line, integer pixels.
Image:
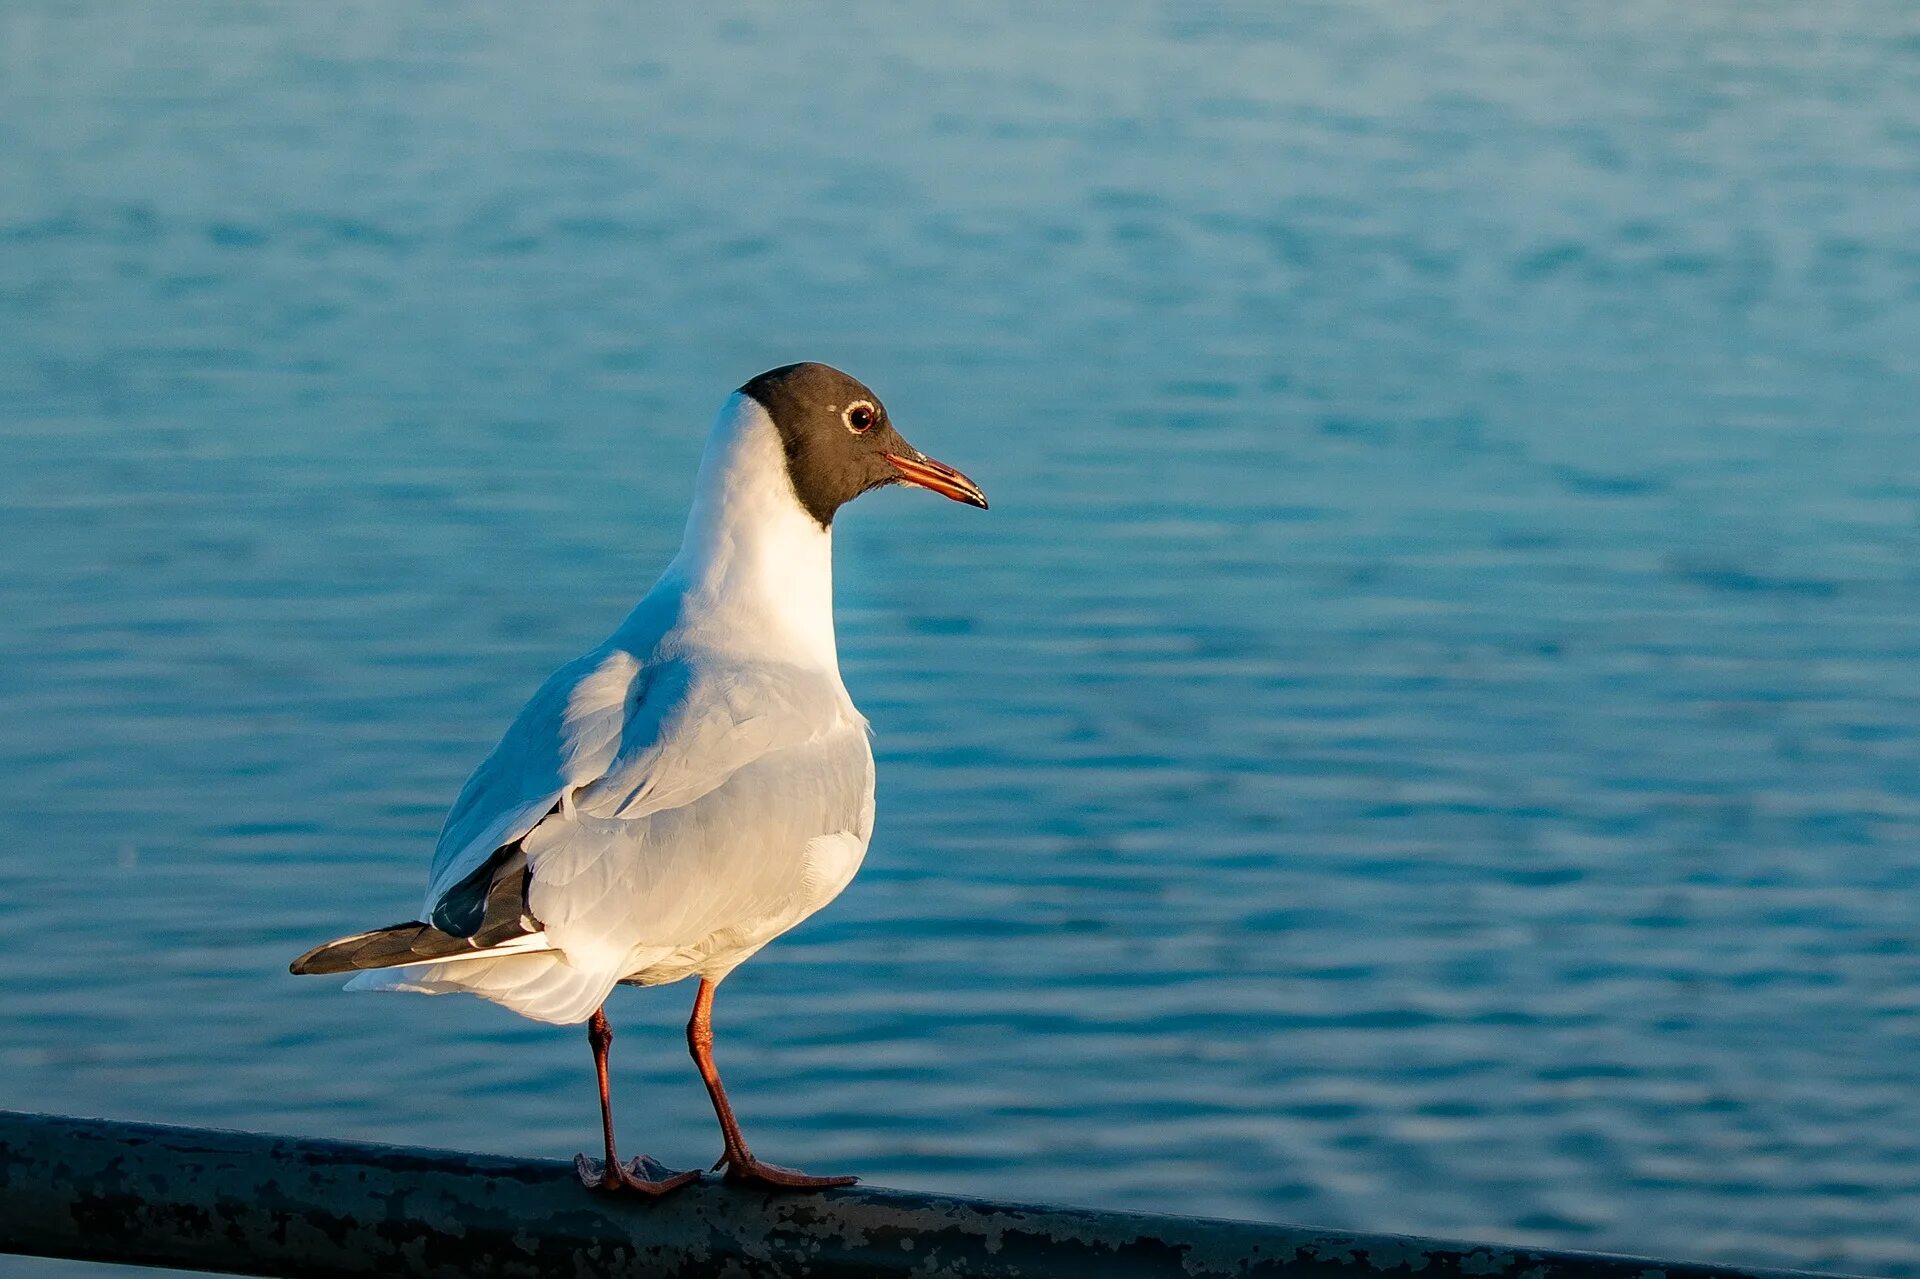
[{"x": 1425, "y": 740}]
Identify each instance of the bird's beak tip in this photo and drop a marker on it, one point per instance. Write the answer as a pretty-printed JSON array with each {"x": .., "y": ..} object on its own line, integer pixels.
[{"x": 924, "y": 472}]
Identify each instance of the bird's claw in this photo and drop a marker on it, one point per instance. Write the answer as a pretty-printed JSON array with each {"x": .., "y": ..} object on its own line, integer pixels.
[
  {"x": 644, "y": 1174},
  {"x": 748, "y": 1171}
]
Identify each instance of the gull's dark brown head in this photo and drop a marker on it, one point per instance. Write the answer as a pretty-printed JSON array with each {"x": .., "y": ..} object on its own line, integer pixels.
[{"x": 840, "y": 442}]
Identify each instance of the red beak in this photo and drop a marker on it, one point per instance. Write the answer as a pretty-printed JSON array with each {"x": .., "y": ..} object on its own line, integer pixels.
[{"x": 938, "y": 476}]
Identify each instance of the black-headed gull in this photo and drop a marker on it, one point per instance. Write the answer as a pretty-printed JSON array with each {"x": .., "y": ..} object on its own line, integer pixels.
[{"x": 690, "y": 789}]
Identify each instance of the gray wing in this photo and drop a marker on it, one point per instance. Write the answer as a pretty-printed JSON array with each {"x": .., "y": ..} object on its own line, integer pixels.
[
  {"x": 563, "y": 738},
  {"x": 776, "y": 839},
  {"x": 655, "y": 802},
  {"x": 750, "y": 808}
]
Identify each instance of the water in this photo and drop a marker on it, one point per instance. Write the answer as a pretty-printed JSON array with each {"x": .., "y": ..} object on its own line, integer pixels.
[{"x": 1424, "y": 741}]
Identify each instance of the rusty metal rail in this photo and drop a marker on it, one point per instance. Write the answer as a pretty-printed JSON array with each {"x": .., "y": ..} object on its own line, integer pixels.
[{"x": 246, "y": 1203}]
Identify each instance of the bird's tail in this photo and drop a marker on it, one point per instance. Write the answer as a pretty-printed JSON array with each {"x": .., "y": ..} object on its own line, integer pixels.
[
  {"x": 540, "y": 984},
  {"x": 503, "y": 926},
  {"x": 508, "y": 959},
  {"x": 405, "y": 944},
  {"x": 524, "y": 973}
]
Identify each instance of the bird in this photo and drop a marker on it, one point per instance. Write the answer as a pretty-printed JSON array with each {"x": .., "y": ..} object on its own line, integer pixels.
[{"x": 691, "y": 788}]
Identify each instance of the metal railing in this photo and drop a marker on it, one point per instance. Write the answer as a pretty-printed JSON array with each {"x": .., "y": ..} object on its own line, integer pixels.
[{"x": 246, "y": 1203}]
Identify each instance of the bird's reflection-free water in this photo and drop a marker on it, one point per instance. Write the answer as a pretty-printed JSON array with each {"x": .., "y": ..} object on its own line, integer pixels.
[{"x": 1425, "y": 740}]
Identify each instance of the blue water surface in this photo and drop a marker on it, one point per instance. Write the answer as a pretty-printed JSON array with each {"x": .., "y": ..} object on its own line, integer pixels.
[{"x": 1427, "y": 739}]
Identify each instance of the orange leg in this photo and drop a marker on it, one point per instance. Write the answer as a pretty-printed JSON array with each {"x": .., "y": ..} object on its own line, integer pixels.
[
  {"x": 739, "y": 1162},
  {"x": 642, "y": 1174}
]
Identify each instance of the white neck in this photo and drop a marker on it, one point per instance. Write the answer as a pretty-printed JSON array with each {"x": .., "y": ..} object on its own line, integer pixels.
[{"x": 754, "y": 574}]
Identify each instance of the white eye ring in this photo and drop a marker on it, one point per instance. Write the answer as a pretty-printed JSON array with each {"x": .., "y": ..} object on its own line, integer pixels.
[{"x": 853, "y": 410}]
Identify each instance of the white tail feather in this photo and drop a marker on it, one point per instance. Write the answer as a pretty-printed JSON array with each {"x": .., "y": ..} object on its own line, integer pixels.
[{"x": 540, "y": 985}]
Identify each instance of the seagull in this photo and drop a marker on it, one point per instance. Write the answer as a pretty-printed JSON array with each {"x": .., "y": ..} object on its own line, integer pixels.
[{"x": 689, "y": 789}]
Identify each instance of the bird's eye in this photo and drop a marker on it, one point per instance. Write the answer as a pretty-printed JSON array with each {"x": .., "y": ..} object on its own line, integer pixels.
[{"x": 860, "y": 417}]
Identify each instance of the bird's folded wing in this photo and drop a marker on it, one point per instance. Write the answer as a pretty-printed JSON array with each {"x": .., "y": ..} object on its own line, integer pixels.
[
  {"x": 609, "y": 738},
  {"x": 563, "y": 738},
  {"x": 774, "y": 835},
  {"x": 703, "y": 725}
]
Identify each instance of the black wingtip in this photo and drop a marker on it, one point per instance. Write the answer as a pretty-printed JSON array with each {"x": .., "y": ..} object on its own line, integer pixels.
[
  {"x": 313, "y": 963},
  {"x": 351, "y": 954}
]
